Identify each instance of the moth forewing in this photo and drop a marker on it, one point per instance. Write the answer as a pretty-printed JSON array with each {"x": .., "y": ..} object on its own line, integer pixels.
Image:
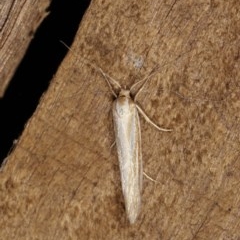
[{"x": 128, "y": 141}]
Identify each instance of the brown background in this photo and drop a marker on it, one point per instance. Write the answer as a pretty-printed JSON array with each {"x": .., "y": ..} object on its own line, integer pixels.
[{"x": 62, "y": 179}]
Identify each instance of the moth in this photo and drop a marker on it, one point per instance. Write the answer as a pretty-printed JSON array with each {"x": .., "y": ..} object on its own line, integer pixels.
[{"x": 128, "y": 141}]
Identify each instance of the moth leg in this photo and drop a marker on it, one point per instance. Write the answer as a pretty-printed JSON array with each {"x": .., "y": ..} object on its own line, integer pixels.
[
  {"x": 148, "y": 177},
  {"x": 151, "y": 122},
  {"x": 113, "y": 144}
]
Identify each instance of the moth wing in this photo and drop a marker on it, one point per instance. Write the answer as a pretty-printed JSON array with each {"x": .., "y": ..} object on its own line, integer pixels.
[{"x": 128, "y": 141}]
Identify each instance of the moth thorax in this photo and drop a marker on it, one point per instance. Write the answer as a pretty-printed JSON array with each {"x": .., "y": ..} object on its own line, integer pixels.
[{"x": 124, "y": 93}]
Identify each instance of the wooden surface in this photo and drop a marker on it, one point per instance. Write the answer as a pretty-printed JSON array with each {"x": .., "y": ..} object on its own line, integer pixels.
[
  {"x": 19, "y": 20},
  {"x": 62, "y": 180}
]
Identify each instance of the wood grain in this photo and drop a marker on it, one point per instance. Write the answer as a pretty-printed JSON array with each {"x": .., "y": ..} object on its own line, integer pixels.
[
  {"x": 18, "y": 23},
  {"x": 62, "y": 180}
]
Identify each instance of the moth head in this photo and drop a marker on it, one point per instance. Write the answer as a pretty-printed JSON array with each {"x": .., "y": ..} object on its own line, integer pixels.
[{"x": 124, "y": 93}]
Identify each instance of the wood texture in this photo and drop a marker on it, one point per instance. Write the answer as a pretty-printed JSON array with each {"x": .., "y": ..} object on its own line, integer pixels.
[
  {"x": 62, "y": 180},
  {"x": 18, "y": 21}
]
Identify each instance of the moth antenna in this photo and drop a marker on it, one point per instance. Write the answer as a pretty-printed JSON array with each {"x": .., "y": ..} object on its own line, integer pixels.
[
  {"x": 106, "y": 76},
  {"x": 153, "y": 72},
  {"x": 145, "y": 80}
]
